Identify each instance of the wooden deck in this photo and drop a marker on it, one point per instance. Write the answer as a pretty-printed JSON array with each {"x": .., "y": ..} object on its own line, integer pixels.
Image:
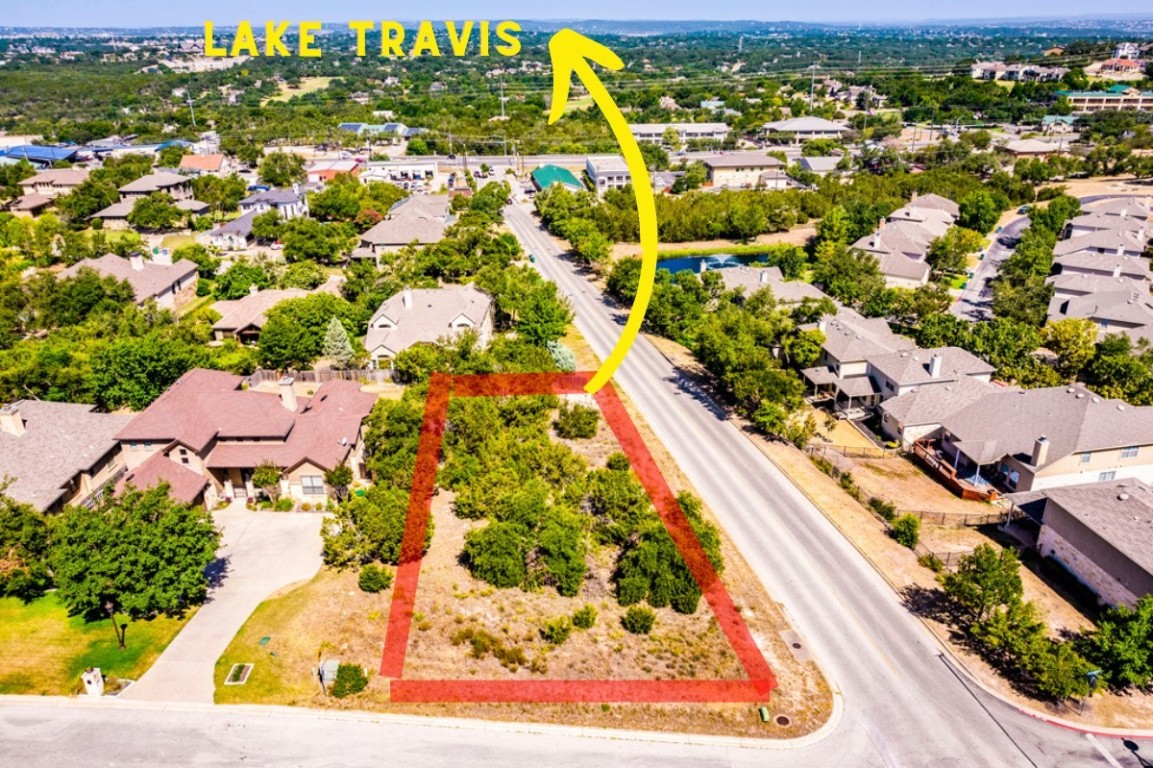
[{"x": 947, "y": 475}]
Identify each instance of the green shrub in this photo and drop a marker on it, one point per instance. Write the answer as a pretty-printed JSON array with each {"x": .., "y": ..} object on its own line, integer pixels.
[
  {"x": 374, "y": 578},
  {"x": 556, "y": 631},
  {"x": 585, "y": 617},
  {"x": 907, "y": 530},
  {"x": 283, "y": 505},
  {"x": 932, "y": 562},
  {"x": 577, "y": 422},
  {"x": 618, "y": 462},
  {"x": 886, "y": 510},
  {"x": 638, "y": 620},
  {"x": 849, "y": 485},
  {"x": 350, "y": 679}
]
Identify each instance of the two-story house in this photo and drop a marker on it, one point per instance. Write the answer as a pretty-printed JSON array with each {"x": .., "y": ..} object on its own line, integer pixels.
[{"x": 425, "y": 316}]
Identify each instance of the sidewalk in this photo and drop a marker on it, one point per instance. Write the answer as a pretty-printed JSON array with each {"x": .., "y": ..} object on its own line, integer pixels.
[{"x": 263, "y": 552}]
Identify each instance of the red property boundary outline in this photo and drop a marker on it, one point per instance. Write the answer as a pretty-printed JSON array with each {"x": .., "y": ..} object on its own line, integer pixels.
[{"x": 441, "y": 389}]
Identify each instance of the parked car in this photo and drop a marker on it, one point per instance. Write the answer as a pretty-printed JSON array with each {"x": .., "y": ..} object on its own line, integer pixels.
[{"x": 1024, "y": 209}]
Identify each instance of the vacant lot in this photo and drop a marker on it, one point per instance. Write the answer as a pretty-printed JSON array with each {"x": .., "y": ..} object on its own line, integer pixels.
[
  {"x": 43, "y": 650},
  {"x": 307, "y": 85}
]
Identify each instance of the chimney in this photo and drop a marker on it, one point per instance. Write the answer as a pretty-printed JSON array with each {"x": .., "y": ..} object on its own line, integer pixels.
[
  {"x": 914, "y": 197},
  {"x": 11, "y": 421},
  {"x": 287, "y": 394},
  {"x": 764, "y": 276},
  {"x": 296, "y": 188},
  {"x": 136, "y": 261},
  {"x": 822, "y": 324},
  {"x": 1121, "y": 249},
  {"x": 162, "y": 256},
  {"x": 935, "y": 363},
  {"x": 406, "y": 297},
  {"x": 1117, "y": 271},
  {"x": 1040, "y": 451},
  {"x": 253, "y": 289}
]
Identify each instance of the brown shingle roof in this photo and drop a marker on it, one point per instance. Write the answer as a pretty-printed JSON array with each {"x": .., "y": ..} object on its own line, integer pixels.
[
  {"x": 184, "y": 485},
  {"x": 150, "y": 281}
]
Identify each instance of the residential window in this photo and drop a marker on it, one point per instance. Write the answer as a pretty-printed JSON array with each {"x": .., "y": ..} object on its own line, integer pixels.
[
  {"x": 1105, "y": 476},
  {"x": 1086, "y": 458},
  {"x": 1130, "y": 452},
  {"x": 312, "y": 485}
]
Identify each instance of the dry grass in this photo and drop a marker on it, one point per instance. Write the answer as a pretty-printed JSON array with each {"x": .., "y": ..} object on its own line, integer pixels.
[{"x": 307, "y": 85}]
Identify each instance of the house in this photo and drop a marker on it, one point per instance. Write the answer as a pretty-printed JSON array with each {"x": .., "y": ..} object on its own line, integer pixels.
[
  {"x": 999, "y": 70},
  {"x": 608, "y": 173},
  {"x": 900, "y": 249},
  {"x": 426, "y": 315},
  {"x": 40, "y": 156},
  {"x": 739, "y": 169},
  {"x": 233, "y": 235},
  {"x": 1125, "y": 305},
  {"x": 243, "y": 318},
  {"x": 179, "y": 187},
  {"x": 1127, "y": 51},
  {"x": 1110, "y": 265},
  {"x": 200, "y": 165},
  {"x": 654, "y": 133},
  {"x": 207, "y": 423},
  {"x": 1033, "y": 148},
  {"x": 58, "y": 454},
  {"x": 546, "y": 176},
  {"x": 54, "y": 182},
  {"x": 323, "y": 171},
  {"x": 806, "y": 128},
  {"x": 288, "y": 203},
  {"x": 419, "y": 219},
  {"x": 842, "y": 370},
  {"x": 1058, "y": 124},
  {"x": 170, "y": 285},
  {"x": 663, "y": 181},
  {"x": 1102, "y": 222},
  {"x": 1137, "y": 208},
  {"x": 1046, "y": 438},
  {"x": 1115, "y": 242},
  {"x": 918, "y": 414},
  {"x": 822, "y": 166},
  {"x": 753, "y": 279},
  {"x": 1117, "y": 97},
  {"x": 1100, "y": 533},
  {"x": 29, "y": 206},
  {"x": 184, "y": 485}
]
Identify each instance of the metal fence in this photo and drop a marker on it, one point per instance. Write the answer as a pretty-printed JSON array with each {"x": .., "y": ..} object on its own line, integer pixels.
[{"x": 859, "y": 452}]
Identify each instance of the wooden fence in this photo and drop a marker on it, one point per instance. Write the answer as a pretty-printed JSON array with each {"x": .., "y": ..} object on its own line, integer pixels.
[{"x": 362, "y": 375}]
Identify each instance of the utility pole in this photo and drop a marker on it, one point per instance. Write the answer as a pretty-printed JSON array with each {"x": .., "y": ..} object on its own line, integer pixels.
[
  {"x": 193, "y": 111},
  {"x": 502, "y": 116}
]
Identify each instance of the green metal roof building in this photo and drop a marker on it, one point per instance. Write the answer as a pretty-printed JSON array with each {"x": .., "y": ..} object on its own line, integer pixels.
[{"x": 547, "y": 175}]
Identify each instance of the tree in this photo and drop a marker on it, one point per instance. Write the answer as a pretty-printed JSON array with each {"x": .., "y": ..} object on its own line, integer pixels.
[
  {"x": 294, "y": 335},
  {"x": 169, "y": 157},
  {"x": 135, "y": 370},
  {"x": 266, "y": 477},
  {"x": 985, "y": 580},
  {"x": 220, "y": 194},
  {"x": 266, "y": 226},
  {"x": 1059, "y": 671},
  {"x": 1073, "y": 340},
  {"x": 847, "y": 274},
  {"x": 947, "y": 254},
  {"x": 638, "y": 620},
  {"x": 340, "y": 200},
  {"x": 368, "y": 528},
  {"x": 155, "y": 212},
  {"x": 337, "y": 346},
  {"x": 206, "y": 263},
  {"x": 303, "y": 274},
  {"x": 308, "y": 239},
  {"x": 979, "y": 211},
  {"x": 280, "y": 169},
  {"x": 671, "y": 139},
  {"x": 236, "y": 282},
  {"x": 577, "y": 422},
  {"x": 1123, "y": 644},
  {"x": 339, "y": 478},
  {"x": 1053, "y": 216},
  {"x": 139, "y": 554},
  {"x": 23, "y": 550},
  {"x": 544, "y": 316},
  {"x": 907, "y": 530}
]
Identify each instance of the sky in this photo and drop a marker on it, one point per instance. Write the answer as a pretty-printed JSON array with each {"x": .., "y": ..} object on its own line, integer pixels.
[{"x": 145, "y": 13}]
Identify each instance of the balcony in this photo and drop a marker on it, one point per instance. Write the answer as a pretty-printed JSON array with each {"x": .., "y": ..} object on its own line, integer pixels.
[{"x": 929, "y": 454}]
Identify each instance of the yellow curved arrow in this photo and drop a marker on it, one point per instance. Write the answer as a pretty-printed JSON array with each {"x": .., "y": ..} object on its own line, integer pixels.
[{"x": 571, "y": 52}]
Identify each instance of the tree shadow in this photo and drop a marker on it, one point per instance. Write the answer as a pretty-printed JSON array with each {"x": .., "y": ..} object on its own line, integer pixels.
[{"x": 216, "y": 572}]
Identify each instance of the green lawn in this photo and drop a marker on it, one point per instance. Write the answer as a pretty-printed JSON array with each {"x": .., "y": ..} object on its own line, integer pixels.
[
  {"x": 751, "y": 249},
  {"x": 174, "y": 241},
  {"x": 43, "y": 650}
]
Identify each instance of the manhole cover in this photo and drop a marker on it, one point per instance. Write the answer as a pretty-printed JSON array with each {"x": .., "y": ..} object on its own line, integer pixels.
[
  {"x": 796, "y": 645},
  {"x": 782, "y": 720}
]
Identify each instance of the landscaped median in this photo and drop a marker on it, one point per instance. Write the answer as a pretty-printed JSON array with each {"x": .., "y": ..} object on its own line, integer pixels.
[{"x": 43, "y": 650}]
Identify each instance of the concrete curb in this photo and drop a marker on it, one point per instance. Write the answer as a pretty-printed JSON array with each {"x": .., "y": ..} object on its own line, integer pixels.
[{"x": 458, "y": 724}]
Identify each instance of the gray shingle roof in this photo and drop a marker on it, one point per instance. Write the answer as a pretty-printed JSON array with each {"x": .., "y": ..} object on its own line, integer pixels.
[
  {"x": 1120, "y": 512},
  {"x": 150, "y": 281},
  {"x": 931, "y": 405},
  {"x": 154, "y": 182},
  {"x": 60, "y": 441},
  {"x": 427, "y": 318},
  {"x": 911, "y": 367},
  {"x": 1072, "y": 418},
  {"x": 753, "y": 279},
  {"x": 249, "y": 311},
  {"x": 1104, "y": 263},
  {"x": 1109, "y": 240},
  {"x": 850, "y": 337}
]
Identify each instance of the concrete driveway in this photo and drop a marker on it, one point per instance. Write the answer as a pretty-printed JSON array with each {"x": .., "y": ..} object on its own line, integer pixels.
[{"x": 260, "y": 553}]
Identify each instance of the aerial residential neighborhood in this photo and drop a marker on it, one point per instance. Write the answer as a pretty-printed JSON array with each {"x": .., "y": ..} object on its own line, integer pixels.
[{"x": 779, "y": 394}]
